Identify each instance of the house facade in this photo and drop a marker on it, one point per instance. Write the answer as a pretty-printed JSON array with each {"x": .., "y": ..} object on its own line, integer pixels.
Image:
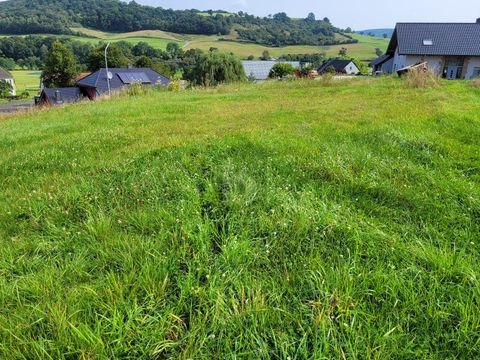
[
  {"x": 259, "y": 70},
  {"x": 451, "y": 50},
  {"x": 341, "y": 66},
  {"x": 6, "y": 76}
]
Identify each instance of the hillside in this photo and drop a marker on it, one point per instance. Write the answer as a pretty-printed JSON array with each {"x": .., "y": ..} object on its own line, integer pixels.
[
  {"x": 283, "y": 220},
  {"x": 377, "y": 32},
  {"x": 59, "y": 16}
]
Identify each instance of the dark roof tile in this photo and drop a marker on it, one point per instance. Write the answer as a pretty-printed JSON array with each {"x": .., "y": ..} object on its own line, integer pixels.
[{"x": 447, "y": 39}]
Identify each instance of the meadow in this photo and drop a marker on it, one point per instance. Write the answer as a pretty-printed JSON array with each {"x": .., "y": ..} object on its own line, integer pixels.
[
  {"x": 284, "y": 220},
  {"x": 363, "y": 50}
]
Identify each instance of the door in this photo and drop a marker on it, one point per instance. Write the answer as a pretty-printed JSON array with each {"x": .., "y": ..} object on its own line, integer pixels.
[{"x": 451, "y": 72}]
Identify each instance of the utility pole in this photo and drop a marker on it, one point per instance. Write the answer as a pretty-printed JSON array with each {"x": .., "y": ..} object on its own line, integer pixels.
[{"x": 106, "y": 68}]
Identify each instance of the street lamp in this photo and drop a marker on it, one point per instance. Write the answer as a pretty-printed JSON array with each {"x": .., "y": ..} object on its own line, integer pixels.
[{"x": 106, "y": 68}]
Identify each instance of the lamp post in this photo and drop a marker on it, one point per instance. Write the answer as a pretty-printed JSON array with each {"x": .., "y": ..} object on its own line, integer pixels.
[{"x": 106, "y": 68}]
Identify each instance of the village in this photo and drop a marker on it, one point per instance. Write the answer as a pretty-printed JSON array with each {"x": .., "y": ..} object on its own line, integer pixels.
[{"x": 447, "y": 50}]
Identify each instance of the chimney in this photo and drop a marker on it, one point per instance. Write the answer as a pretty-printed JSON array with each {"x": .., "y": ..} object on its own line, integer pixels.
[
  {"x": 58, "y": 97},
  {"x": 478, "y": 21}
]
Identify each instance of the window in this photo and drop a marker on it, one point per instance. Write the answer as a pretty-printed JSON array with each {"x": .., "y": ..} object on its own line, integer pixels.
[
  {"x": 428, "y": 42},
  {"x": 476, "y": 72}
]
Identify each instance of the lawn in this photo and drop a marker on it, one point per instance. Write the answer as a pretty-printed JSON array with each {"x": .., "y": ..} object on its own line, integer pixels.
[
  {"x": 285, "y": 220},
  {"x": 27, "y": 80}
]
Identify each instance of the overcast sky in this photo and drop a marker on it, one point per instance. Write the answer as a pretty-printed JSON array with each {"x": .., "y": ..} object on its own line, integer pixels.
[{"x": 357, "y": 14}]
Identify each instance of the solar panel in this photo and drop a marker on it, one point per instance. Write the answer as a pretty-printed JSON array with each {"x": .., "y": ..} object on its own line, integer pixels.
[{"x": 134, "y": 77}]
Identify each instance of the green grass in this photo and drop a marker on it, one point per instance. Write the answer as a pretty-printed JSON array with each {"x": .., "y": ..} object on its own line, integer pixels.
[
  {"x": 27, "y": 80},
  {"x": 364, "y": 50},
  {"x": 281, "y": 220}
]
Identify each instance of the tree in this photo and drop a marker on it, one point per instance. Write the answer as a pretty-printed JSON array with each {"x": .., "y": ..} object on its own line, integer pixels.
[
  {"x": 343, "y": 52},
  {"x": 115, "y": 57},
  {"x": 173, "y": 49},
  {"x": 60, "y": 67},
  {"x": 5, "y": 89},
  {"x": 251, "y": 57},
  {"x": 348, "y": 30},
  {"x": 362, "y": 67},
  {"x": 7, "y": 63},
  {"x": 310, "y": 17},
  {"x": 265, "y": 55},
  {"x": 215, "y": 68},
  {"x": 385, "y": 36},
  {"x": 280, "y": 70},
  {"x": 144, "y": 62}
]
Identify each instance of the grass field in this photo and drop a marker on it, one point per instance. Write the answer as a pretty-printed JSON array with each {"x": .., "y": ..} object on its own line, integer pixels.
[
  {"x": 289, "y": 220},
  {"x": 365, "y": 49},
  {"x": 27, "y": 80}
]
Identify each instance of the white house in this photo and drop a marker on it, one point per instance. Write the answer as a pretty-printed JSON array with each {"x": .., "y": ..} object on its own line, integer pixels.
[
  {"x": 341, "y": 66},
  {"x": 451, "y": 50},
  {"x": 5, "y": 76}
]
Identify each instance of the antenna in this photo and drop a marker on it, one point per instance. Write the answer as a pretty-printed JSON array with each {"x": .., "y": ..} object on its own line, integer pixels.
[{"x": 109, "y": 74}]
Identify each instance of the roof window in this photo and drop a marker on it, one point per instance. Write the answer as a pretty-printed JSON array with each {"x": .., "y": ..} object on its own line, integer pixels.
[{"x": 427, "y": 42}]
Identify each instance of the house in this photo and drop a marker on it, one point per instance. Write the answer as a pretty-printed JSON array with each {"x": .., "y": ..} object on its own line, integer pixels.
[
  {"x": 6, "y": 76},
  {"x": 341, "y": 66},
  {"x": 451, "y": 50},
  {"x": 381, "y": 64},
  {"x": 258, "y": 70},
  {"x": 58, "y": 96},
  {"x": 97, "y": 83},
  {"x": 94, "y": 85}
]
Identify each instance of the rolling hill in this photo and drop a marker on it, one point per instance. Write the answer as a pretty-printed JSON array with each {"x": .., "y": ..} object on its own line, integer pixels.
[{"x": 59, "y": 16}]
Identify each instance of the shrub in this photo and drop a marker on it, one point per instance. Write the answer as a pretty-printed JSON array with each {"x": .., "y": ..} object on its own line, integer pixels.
[
  {"x": 476, "y": 82},
  {"x": 326, "y": 79},
  {"x": 174, "y": 86},
  {"x": 421, "y": 78},
  {"x": 280, "y": 70},
  {"x": 136, "y": 89}
]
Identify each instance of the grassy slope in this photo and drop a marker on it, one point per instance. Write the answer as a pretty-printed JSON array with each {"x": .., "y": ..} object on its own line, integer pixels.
[
  {"x": 26, "y": 80},
  {"x": 283, "y": 219},
  {"x": 365, "y": 49}
]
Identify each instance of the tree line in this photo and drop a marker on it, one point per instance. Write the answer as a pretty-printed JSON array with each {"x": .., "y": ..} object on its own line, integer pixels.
[{"x": 23, "y": 17}]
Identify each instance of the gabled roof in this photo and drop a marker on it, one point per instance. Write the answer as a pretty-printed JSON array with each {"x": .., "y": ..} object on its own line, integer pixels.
[
  {"x": 447, "y": 39},
  {"x": 58, "y": 96},
  {"x": 261, "y": 69},
  {"x": 380, "y": 60},
  {"x": 121, "y": 77},
  {"x": 4, "y": 74},
  {"x": 338, "y": 64}
]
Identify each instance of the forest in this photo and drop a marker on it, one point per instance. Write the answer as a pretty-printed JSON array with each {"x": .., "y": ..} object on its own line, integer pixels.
[{"x": 23, "y": 17}]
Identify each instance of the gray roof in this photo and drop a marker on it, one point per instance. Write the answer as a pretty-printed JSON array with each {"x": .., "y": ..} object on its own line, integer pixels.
[
  {"x": 261, "y": 69},
  {"x": 66, "y": 95},
  {"x": 4, "y": 74},
  {"x": 448, "y": 39},
  {"x": 121, "y": 77},
  {"x": 338, "y": 64},
  {"x": 380, "y": 60}
]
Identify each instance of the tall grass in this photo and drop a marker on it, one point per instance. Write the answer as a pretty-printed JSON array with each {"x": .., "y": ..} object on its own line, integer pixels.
[{"x": 279, "y": 220}]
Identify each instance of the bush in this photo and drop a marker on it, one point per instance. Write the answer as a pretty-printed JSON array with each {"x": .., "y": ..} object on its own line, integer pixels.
[
  {"x": 174, "y": 86},
  {"x": 326, "y": 79},
  {"x": 280, "y": 70},
  {"x": 476, "y": 82},
  {"x": 136, "y": 89},
  {"x": 418, "y": 78}
]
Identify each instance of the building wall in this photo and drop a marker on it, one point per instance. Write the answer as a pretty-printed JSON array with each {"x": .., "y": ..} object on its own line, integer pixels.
[
  {"x": 351, "y": 69},
  {"x": 434, "y": 63},
  {"x": 473, "y": 64},
  {"x": 387, "y": 66},
  {"x": 12, "y": 82}
]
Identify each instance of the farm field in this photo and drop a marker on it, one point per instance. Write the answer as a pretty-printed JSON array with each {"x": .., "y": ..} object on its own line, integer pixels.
[
  {"x": 363, "y": 50},
  {"x": 246, "y": 221},
  {"x": 27, "y": 80}
]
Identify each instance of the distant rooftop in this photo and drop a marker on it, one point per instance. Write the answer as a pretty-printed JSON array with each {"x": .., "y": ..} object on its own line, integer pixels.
[{"x": 260, "y": 70}]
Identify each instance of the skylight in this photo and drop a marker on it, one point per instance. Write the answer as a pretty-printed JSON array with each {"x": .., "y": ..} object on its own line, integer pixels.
[{"x": 428, "y": 42}]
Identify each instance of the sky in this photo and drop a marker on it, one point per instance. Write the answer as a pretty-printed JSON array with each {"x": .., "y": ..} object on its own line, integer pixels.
[{"x": 357, "y": 14}]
